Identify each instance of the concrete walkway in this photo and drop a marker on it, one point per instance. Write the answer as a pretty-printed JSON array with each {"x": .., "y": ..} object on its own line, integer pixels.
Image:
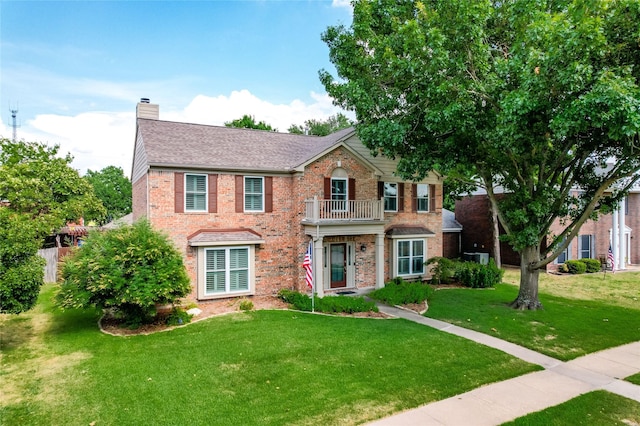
[{"x": 504, "y": 401}]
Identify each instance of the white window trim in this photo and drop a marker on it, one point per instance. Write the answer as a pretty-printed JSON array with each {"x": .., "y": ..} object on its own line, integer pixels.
[
  {"x": 567, "y": 250},
  {"x": 428, "y": 198},
  {"x": 590, "y": 249},
  {"x": 244, "y": 191},
  {"x": 396, "y": 252},
  {"x": 206, "y": 193},
  {"x": 340, "y": 205},
  {"x": 384, "y": 196},
  {"x": 201, "y": 272}
]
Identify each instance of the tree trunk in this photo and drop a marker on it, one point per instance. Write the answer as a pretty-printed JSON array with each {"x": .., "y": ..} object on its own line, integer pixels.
[
  {"x": 528, "y": 294},
  {"x": 496, "y": 238}
]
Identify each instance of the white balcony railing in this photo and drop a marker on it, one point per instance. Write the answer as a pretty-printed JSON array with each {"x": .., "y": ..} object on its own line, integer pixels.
[{"x": 339, "y": 210}]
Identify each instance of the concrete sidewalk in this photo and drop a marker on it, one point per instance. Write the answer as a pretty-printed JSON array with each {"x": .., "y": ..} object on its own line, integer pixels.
[{"x": 504, "y": 401}]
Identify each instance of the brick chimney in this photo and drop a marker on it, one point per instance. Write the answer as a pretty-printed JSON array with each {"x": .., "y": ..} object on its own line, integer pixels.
[{"x": 144, "y": 109}]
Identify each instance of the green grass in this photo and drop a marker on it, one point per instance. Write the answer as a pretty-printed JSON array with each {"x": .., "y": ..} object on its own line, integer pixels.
[
  {"x": 565, "y": 329},
  {"x": 258, "y": 367},
  {"x": 619, "y": 289},
  {"x": 594, "y": 408},
  {"x": 634, "y": 379}
]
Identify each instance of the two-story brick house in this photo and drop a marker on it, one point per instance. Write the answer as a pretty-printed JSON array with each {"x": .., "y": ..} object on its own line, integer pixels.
[{"x": 243, "y": 205}]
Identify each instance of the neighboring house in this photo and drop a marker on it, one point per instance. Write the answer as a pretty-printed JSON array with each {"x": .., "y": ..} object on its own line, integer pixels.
[
  {"x": 593, "y": 239},
  {"x": 451, "y": 235},
  {"x": 243, "y": 205}
]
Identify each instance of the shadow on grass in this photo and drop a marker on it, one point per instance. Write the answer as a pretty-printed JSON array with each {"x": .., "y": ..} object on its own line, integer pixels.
[{"x": 564, "y": 329}]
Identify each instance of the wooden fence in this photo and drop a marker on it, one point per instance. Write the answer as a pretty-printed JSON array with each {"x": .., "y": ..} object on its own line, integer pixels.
[{"x": 51, "y": 268}]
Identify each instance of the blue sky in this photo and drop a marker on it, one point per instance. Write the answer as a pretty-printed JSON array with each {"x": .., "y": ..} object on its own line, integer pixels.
[{"x": 76, "y": 69}]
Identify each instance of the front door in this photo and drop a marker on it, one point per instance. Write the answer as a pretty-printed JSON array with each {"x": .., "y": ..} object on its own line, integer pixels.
[{"x": 338, "y": 265}]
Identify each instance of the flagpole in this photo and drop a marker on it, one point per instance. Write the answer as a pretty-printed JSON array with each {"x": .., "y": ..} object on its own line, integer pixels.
[{"x": 313, "y": 282}]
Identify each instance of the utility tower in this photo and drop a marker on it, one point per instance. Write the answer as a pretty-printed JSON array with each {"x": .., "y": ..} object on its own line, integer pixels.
[{"x": 14, "y": 124}]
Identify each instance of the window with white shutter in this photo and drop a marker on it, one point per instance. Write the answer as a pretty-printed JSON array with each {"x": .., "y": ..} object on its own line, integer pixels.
[
  {"x": 195, "y": 193},
  {"x": 226, "y": 270}
]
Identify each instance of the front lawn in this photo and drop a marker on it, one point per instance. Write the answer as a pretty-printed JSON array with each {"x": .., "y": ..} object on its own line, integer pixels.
[
  {"x": 565, "y": 329},
  {"x": 618, "y": 289},
  {"x": 258, "y": 367},
  {"x": 593, "y": 408}
]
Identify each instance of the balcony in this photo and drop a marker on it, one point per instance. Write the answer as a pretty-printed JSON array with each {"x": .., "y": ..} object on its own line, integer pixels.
[{"x": 333, "y": 211}]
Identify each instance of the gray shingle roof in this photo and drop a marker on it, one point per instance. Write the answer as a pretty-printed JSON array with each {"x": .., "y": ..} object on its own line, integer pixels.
[
  {"x": 449, "y": 222},
  {"x": 174, "y": 144}
]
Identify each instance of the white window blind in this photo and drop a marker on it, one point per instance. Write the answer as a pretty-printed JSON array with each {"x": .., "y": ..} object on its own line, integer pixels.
[{"x": 195, "y": 192}]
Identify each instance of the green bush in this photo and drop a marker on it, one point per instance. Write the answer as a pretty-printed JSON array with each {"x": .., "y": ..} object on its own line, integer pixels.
[
  {"x": 443, "y": 270},
  {"x": 329, "y": 304},
  {"x": 299, "y": 301},
  {"x": 178, "y": 316},
  {"x": 129, "y": 269},
  {"x": 246, "y": 305},
  {"x": 400, "y": 292},
  {"x": 576, "y": 266},
  {"x": 476, "y": 275},
  {"x": 592, "y": 265}
]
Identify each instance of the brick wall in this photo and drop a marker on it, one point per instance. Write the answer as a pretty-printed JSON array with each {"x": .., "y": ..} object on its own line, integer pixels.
[
  {"x": 139, "y": 194},
  {"x": 474, "y": 214},
  {"x": 451, "y": 245}
]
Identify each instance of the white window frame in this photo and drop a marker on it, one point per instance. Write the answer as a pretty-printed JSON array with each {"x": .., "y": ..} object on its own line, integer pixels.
[
  {"x": 339, "y": 201},
  {"x": 589, "y": 249},
  {"x": 385, "y": 197},
  {"x": 205, "y": 192},
  {"x": 566, "y": 252},
  {"x": 202, "y": 274},
  {"x": 427, "y": 198},
  {"x": 262, "y": 194},
  {"x": 411, "y": 256}
]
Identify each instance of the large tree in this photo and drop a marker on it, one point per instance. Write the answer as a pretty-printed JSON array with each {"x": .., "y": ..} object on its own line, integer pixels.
[
  {"x": 113, "y": 188},
  {"x": 39, "y": 192},
  {"x": 322, "y": 127},
  {"x": 531, "y": 96}
]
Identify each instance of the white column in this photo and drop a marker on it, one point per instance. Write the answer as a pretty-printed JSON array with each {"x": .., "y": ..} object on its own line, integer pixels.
[
  {"x": 622, "y": 242},
  {"x": 614, "y": 238},
  {"x": 379, "y": 260},
  {"x": 318, "y": 266}
]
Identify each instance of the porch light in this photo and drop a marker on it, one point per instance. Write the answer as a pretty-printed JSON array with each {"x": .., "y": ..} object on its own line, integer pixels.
[{"x": 363, "y": 248}]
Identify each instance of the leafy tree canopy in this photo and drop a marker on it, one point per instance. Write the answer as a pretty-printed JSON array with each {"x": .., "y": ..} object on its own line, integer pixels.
[
  {"x": 249, "y": 122},
  {"x": 320, "y": 127},
  {"x": 39, "y": 192},
  {"x": 532, "y": 96},
  {"x": 130, "y": 269},
  {"x": 113, "y": 188}
]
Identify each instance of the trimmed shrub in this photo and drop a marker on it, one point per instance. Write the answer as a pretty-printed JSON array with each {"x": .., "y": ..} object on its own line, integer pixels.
[
  {"x": 401, "y": 292},
  {"x": 178, "y": 316},
  {"x": 443, "y": 270},
  {"x": 129, "y": 269},
  {"x": 476, "y": 275},
  {"x": 329, "y": 304},
  {"x": 576, "y": 266},
  {"x": 592, "y": 265}
]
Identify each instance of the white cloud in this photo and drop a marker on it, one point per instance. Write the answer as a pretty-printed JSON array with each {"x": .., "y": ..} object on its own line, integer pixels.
[
  {"x": 341, "y": 3},
  {"x": 95, "y": 139},
  {"x": 100, "y": 139},
  {"x": 220, "y": 109}
]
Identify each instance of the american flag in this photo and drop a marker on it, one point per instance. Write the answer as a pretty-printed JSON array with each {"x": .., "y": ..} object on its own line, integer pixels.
[
  {"x": 307, "y": 264},
  {"x": 611, "y": 260}
]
